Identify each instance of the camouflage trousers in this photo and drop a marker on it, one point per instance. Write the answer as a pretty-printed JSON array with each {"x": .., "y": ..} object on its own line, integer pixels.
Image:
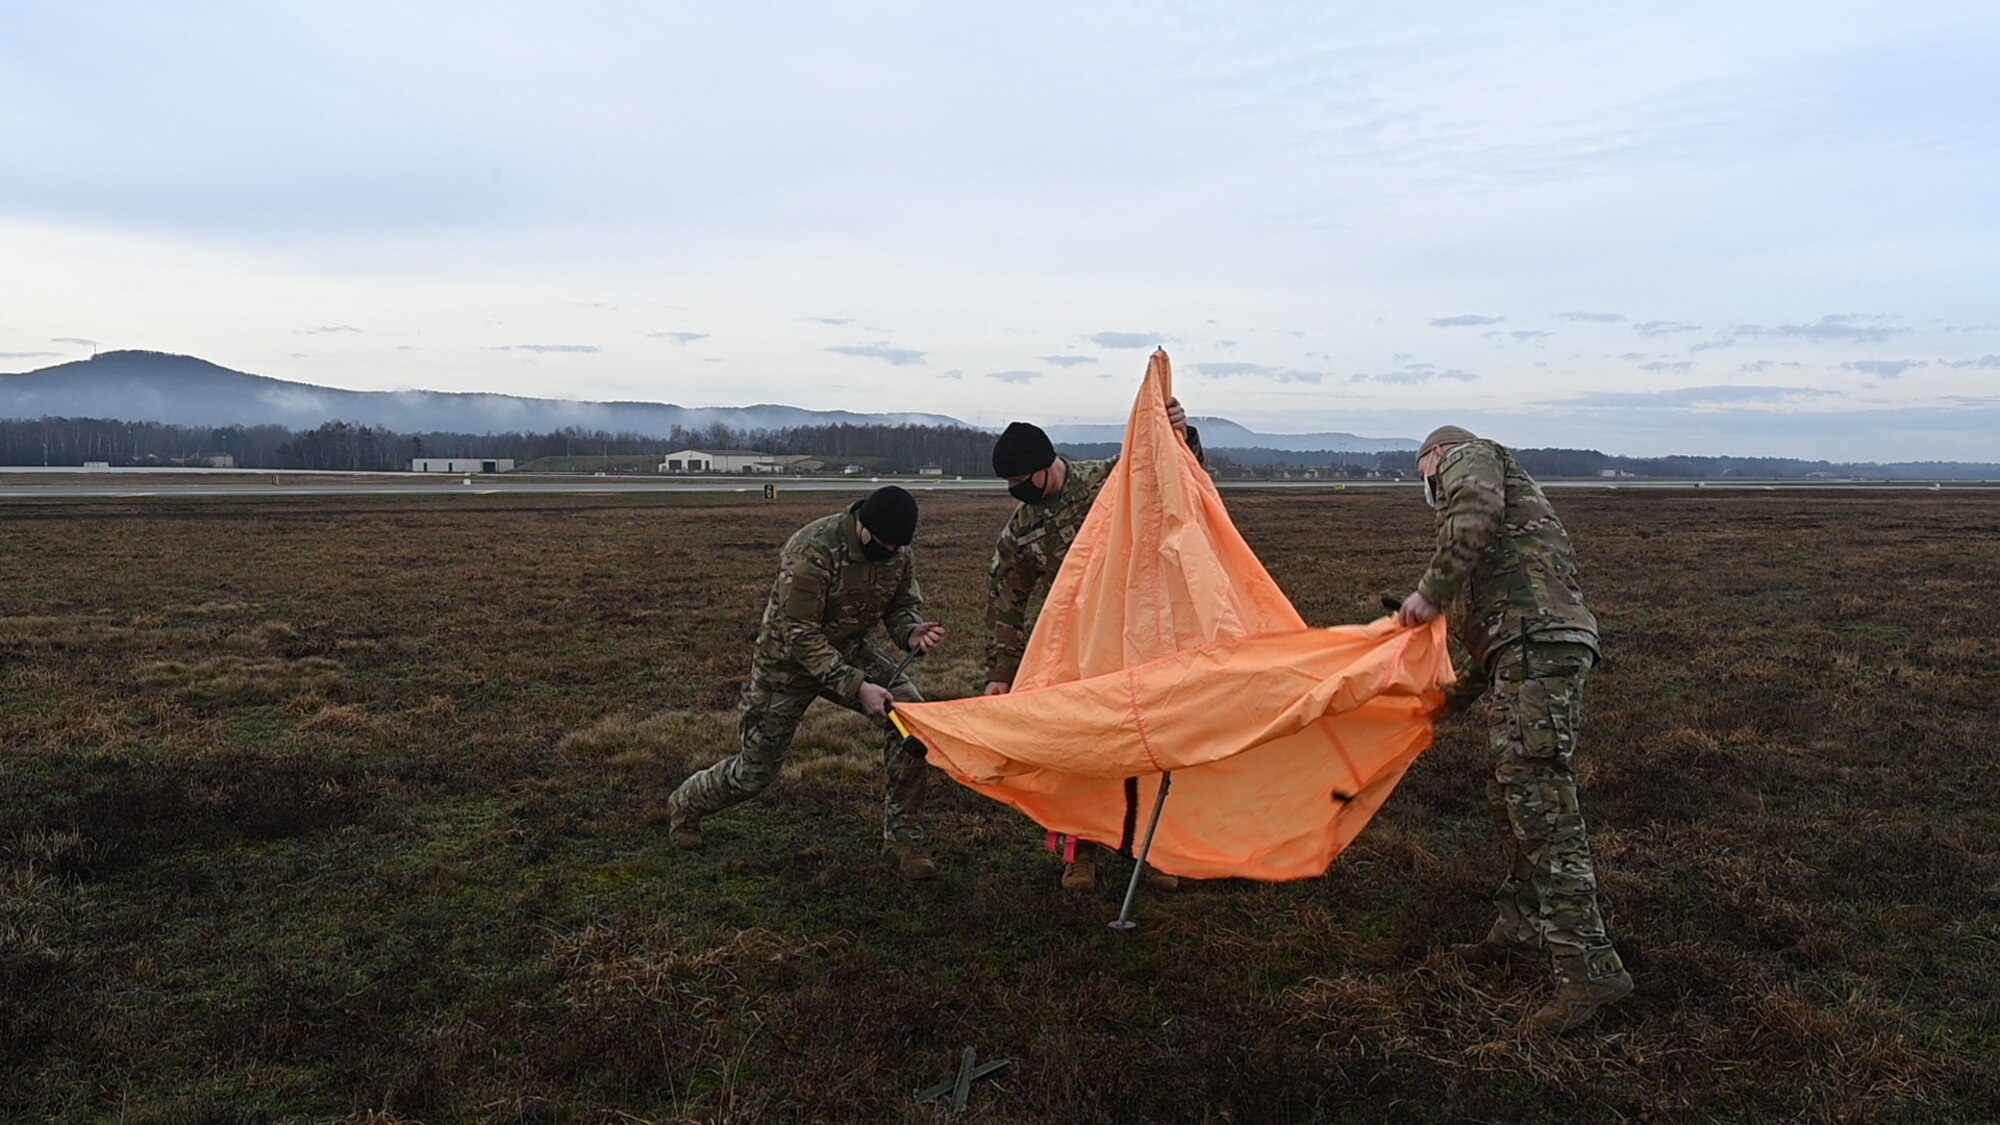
[
  {"x": 771, "y": 707},
  {"x": 1549, "y": 899}
]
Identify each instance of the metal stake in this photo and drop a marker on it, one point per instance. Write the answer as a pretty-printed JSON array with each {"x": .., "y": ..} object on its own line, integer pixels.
[
  {"x": 949, "y": 1087},
  {"x": 1125, "y": 921},
  {"x": 962, "y": 1089}
]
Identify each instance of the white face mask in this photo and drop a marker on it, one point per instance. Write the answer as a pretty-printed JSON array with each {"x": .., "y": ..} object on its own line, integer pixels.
[{"x": 1431, "y": 496}]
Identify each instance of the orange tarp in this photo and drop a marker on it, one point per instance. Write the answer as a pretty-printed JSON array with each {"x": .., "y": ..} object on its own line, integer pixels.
[{"x": 1163, "y": 646}]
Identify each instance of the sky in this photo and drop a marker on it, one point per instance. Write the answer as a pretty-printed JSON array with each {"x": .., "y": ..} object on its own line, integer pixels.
[{"x": 1713, "y": 228}]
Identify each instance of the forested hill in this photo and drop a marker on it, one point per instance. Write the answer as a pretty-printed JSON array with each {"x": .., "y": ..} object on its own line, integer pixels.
[
  {"x": 180, "y": 390},
  {"x": 143, "y": 386},
  {"x": 148, "y": 408}
]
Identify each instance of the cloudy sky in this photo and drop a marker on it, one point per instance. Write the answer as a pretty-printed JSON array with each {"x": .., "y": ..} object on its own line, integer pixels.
[{"x": 1708, "y": 228}]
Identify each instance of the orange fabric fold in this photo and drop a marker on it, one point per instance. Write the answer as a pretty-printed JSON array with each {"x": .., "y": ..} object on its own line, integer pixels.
[{"x": 1164, "y": 645}]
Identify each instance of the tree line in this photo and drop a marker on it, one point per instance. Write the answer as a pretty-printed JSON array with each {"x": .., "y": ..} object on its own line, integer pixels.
[
  {"x": 957, "y": 450},
  {"x": 1553, "y": 463}
]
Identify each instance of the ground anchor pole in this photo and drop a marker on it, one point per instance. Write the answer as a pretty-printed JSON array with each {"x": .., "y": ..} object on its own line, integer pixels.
[{"x": 1125, "y": 921}]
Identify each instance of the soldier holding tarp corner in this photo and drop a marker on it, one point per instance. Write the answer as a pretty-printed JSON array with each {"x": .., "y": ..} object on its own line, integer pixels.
[
  {"x": 838, "y": 577},
  {"x": 1505, "y": 567},
  {"x": 1056, "y": 495}
]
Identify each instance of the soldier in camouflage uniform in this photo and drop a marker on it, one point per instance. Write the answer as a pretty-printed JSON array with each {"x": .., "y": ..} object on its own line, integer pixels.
[
  {"x": 1056, "y": 495},
  {"x": 837, "y": 578},
  {"x": 1505, "y": 567}
]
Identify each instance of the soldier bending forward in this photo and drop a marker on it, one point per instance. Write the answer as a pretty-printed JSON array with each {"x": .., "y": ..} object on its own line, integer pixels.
[
  {"x": 1505, "y": 566},
  {"x": 837, "y": 578}
]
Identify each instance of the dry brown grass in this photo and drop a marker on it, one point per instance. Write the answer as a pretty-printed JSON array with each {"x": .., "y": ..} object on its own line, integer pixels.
[{"x": 349, "y": 810}]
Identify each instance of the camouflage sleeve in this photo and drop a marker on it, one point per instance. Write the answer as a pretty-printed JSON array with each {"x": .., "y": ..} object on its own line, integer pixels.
[
  {"x": 1194, "y": 446},
  {"x": 906, "y": 610},
  {"x": 803, "y": 582},
  {"x": 1010, "y": 583},
  {"x": 1474, "y": 486}
]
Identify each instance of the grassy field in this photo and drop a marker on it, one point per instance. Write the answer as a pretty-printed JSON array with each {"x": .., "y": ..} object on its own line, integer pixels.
[{"x": 352, "y": 809}]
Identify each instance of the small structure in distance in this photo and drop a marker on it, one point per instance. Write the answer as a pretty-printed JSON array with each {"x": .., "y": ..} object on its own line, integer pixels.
[
  {"x": 734, "y": 461},
  {"x": 461, "y": 464}
]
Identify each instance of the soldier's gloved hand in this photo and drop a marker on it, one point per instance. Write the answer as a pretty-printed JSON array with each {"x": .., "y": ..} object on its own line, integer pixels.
[
  {"x": 998, "y": 687},
  {"x": 1177, "y": 416},
  {"x": 875, "y": 700},
  {"x": 926, "y": 637}
]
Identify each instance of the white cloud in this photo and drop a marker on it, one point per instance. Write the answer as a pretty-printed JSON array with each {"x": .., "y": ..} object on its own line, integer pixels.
[
  {"x": 1689, "y": 397},
  {"x": 1828, "y": 329},
  {"x": 1885, "y": 368},
  {"x": 1414, "y": 374},
  {"x": 881, "y": 350},
  {"x": 1233, "y": 370},
  {"x": 1125, "y": 339}
]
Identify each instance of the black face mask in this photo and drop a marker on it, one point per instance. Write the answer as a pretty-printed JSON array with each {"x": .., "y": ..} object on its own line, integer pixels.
[
  {"x": 877, "y": 552},
  {"x": 1026, "y": 492}
]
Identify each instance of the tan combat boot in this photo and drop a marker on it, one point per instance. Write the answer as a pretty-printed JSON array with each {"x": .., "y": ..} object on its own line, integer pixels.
[
  {"x": 911, "y": 862},
  {"x": 1079, "y": 876},
  {"x": 1577, "y": 1001},
  {"x": 1160, "y": 880}
]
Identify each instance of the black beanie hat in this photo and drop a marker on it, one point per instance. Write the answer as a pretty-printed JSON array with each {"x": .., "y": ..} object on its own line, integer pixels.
[
  {"x": 890, "y": 514},
  {"x": 1022, "y": 449}
]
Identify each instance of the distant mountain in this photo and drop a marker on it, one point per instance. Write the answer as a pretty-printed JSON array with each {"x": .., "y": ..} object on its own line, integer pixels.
[
  {"x": 138, "y": 386},
  {"x": 141, "y": 386},
  {"x": 1221, "y": 433}
]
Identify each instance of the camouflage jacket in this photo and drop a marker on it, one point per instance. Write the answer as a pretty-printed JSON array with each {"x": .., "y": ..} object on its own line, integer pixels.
[
  {"x": 1031, "y": 550},
  {"x": 1504, "y": 566},
  {"x": 827, "y": 597}
]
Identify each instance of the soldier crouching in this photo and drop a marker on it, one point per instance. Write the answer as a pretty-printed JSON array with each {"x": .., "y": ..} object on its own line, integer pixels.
[{"x": 838, "y": 577}]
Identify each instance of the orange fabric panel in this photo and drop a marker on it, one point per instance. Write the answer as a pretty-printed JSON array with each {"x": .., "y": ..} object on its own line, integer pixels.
[{"x": 1164, "y": 645}]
